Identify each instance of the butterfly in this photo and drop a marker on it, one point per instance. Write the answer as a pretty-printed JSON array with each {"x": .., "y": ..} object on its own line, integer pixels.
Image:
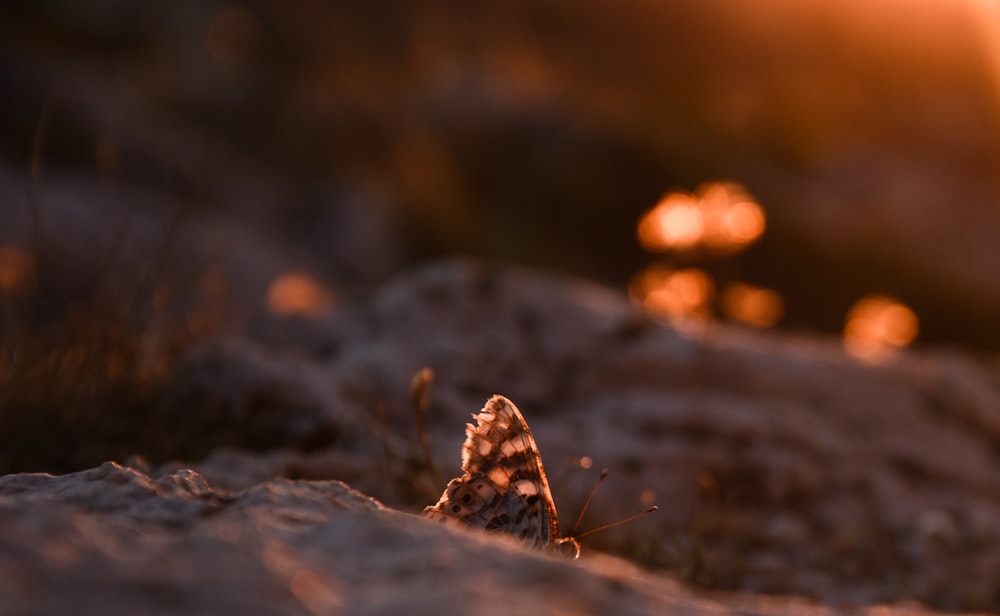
[{"x": 503, "y": 487}]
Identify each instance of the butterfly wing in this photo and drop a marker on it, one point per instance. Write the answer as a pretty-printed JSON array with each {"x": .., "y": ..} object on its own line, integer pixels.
[{"x": 503, "y": 486}]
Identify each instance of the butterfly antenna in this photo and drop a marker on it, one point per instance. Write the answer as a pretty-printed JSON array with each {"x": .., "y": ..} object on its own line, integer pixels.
[
  {"x": 586, "y": 505},
  {"x": 618, "y": 523}
]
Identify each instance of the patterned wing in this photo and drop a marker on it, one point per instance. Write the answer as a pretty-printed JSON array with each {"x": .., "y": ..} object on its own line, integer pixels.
[{"x": 503, "y": 486}]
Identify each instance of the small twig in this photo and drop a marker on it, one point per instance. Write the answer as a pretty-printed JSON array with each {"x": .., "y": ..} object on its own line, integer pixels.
[
  {"x": 420, "y": 399},
  {"x": 35, "y": 162}
]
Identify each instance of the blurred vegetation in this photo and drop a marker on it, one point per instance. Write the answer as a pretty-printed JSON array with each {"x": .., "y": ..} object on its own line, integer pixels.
[
  {"x": 81, "y": 378},
  {"x": 75, "y": 393}
]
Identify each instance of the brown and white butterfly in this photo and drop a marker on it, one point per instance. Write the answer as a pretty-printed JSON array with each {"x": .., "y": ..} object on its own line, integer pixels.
[{"x": 503, "y": 486}]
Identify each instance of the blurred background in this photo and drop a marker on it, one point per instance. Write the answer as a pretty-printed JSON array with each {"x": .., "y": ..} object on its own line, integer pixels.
[{"x": 182, "y": 168}]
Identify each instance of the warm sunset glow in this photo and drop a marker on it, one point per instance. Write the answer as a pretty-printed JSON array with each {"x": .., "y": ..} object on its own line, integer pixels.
[
  {"x": 676, "y": 295},
  {"x": 986, "y": 16},
  {"x": 752, "y": 305},
  {"x": 878, "y": 325},
  {"x": 720, "y": 216},
  {"x": 320, "y": 593},
  {"x": 16, "y": 270},
  {"x": 298, "y": 294}
]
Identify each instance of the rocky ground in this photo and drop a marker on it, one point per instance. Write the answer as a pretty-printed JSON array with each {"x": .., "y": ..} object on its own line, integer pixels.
[
  {"x": 780, "y": 466},
  {"x": 113, "y": 540}
]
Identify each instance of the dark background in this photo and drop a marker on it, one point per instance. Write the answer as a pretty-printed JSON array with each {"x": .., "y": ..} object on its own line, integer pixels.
[
  {"x": 162, "y": 165},
  {"x": 870, "y": 135}
]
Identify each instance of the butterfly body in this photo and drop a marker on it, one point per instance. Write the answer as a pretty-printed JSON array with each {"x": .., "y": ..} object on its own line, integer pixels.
[{"x": 503, "y": 487}]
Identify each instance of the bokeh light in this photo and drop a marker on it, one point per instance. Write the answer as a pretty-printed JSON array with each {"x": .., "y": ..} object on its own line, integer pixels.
[
  {"x": 752, "y": 305},
  {"x": 675, "y": 222},
  {"x": 876, "y": 326},
  {"x": 677, "y": 296},
  {"x": 742, "y": 223},
  {"x": 298, "y": 294},
  {"x": 16, "y": 271},
  {"x": 720, "y": 216}
]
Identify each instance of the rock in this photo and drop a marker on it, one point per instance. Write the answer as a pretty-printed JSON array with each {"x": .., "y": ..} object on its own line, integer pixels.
[
  {"x": 780, "y": 464},
  {"x": 113, "y": 540}
]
